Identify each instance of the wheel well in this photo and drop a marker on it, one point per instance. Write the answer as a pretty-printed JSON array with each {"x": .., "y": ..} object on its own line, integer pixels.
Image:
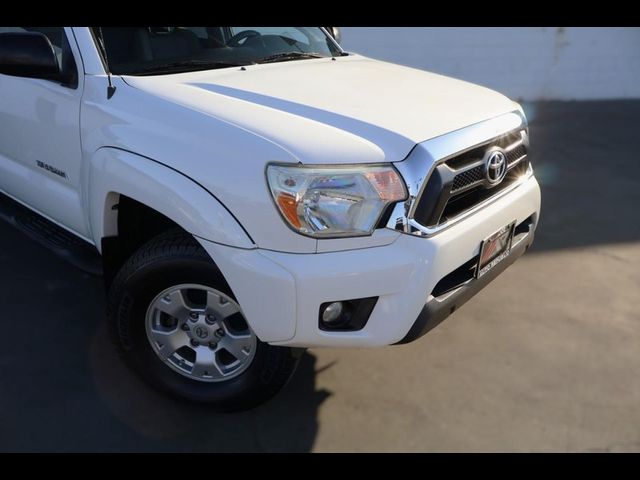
[{"x": 136, "y": 223}]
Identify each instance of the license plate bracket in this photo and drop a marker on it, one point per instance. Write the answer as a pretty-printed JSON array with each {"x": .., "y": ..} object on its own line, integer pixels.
[{"x": 494, "y": 249}]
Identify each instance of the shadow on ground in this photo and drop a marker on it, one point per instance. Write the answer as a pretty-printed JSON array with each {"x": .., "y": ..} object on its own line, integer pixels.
[{"x": 63, "y": 388}]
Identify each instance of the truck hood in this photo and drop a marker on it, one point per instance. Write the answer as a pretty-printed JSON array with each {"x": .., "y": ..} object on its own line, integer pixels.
[{"x": 347, "y": 110}]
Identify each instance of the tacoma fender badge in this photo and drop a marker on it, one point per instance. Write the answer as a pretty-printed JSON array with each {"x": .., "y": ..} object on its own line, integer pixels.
[{"x": 51, "y": 169}]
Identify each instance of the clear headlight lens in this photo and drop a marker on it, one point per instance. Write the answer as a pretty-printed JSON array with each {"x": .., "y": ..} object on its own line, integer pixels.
[{"x": 334, "y": 201}]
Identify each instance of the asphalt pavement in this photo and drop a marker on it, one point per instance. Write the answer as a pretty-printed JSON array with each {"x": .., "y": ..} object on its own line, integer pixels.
[{"x": 546, "y": 358}]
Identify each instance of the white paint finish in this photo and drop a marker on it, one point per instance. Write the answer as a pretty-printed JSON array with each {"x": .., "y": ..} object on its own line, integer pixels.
[
  {"x": 378, "y": 238},
  {"x": 349, "y": 110},
  {"x": 166, "y": 191},
  {"x": 226, "y": 160},
  {"x": 402, "y": 274},
  {"x": 47, "y": 196},
  {"x": 89, "y": 51},
  {"x": 44, "y": 215},
  {"x": 39, "y": 123},
  {"x": 222, "y": 127},
  {"x": 265, "y": 291},
  {"x": 530, "y": 63}
]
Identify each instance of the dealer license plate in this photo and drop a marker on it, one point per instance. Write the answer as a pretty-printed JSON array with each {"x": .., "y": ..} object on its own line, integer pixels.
[{"x": 495, "y": 249}]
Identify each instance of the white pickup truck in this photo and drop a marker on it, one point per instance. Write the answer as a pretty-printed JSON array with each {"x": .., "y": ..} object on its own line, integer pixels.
[{"x": 253, "y": 191}]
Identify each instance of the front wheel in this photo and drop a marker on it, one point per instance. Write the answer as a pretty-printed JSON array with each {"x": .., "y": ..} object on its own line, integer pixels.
[{"x": 177, "y": 324}]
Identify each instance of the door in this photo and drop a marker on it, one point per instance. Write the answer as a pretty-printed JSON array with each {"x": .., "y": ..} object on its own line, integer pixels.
[{"x": 40, "y": 155}]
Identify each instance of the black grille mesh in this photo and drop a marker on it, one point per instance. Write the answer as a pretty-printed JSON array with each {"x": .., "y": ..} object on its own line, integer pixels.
[
  {"x": 515, "y": 154},
  {"x": 459, "y": 203},
  {"x": 476, "y": 174},
  {"x": 467, "y": 178}
]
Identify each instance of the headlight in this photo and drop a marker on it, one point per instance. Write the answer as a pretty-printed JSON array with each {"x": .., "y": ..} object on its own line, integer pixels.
[{"x": 342, "y": 201}]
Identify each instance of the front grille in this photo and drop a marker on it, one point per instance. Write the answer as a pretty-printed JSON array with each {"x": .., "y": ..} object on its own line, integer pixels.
[
  {"x": 476, "y": 174},
  {"x": 458, "y": 204},
  {"x": 470, "y": 157},
  {"x": 468, "y": 177},
  {"x": 459, "y": 183}
]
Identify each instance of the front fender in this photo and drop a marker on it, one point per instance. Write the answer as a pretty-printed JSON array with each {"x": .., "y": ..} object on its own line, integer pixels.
[{"x": 113, "y": 171}]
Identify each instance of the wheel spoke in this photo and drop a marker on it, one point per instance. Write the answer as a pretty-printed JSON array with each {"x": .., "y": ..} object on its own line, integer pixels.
[
  {"x": 173, "y": 304},
  {"x": 238, "y": 346},
  {"x": 169, "y": 342},
  {"x": 220, "y": 305},
  {"x": 206, "y": 364}
]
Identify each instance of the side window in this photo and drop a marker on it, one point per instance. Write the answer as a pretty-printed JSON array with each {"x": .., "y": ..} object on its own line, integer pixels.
[{"x": 61, "y": 47}]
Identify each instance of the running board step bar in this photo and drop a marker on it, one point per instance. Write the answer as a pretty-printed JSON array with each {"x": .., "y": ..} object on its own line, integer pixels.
[{"x": 61, "y": 242}]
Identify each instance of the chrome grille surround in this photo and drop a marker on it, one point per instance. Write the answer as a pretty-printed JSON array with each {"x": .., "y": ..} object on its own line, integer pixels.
[{"x": 420, "y": 164}]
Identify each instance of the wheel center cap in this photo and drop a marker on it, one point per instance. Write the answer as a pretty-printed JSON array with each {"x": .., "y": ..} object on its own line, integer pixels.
[{"x": 201, "y": 332}]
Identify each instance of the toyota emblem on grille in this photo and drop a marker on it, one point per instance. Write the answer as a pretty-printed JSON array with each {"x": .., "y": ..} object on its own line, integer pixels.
[{"x": 495, "y": 167}]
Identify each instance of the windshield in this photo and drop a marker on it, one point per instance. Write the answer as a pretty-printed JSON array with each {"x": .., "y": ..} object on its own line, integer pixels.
[{"x": 164, "y": 50}]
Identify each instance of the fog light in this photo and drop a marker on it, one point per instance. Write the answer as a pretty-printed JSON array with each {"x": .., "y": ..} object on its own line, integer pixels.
[
  {"x": 346, "y": 315},
  {"x": 332, "y": 313}
]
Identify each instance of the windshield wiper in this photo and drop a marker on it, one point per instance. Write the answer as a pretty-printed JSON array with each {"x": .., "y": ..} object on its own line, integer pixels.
[
  {"x": 184, "y": 66},
  {"x": 283, "y": 57}
]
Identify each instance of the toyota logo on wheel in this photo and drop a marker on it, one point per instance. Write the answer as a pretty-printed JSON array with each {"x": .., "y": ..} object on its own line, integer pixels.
[
  {"x": 201, "y": 332},
  {"x": 495, "y": 167}
]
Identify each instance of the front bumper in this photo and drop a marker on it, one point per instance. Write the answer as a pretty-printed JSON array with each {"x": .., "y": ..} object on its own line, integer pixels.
[
  {"x": 439, "y": 308},
  {"x": 280, "y": 293}
]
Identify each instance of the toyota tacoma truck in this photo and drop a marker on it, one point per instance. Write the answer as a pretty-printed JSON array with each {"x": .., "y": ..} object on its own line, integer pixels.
[{"x": 254, "y": 191}]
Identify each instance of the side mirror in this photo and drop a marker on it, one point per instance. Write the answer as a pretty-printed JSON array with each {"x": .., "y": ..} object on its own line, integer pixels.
[
  {"x": 28, "y": 54},
  {"x": 335, "y": 33}
]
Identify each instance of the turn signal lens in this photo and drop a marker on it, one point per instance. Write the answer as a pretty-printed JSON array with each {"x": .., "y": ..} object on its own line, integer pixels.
[
  {"x": 287, "y": 204},
  {"x": 388, "y": 185}
]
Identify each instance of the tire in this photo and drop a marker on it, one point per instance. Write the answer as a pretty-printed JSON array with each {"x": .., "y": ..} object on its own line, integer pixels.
[{"x": 176, "y": 259}]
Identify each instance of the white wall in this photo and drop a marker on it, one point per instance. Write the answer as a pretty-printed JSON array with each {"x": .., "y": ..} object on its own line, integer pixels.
[{"x": 527, "y": 63}]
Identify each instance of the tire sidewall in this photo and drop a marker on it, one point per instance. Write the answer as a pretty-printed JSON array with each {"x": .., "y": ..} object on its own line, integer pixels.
[{"x": 130, "y": 307}]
